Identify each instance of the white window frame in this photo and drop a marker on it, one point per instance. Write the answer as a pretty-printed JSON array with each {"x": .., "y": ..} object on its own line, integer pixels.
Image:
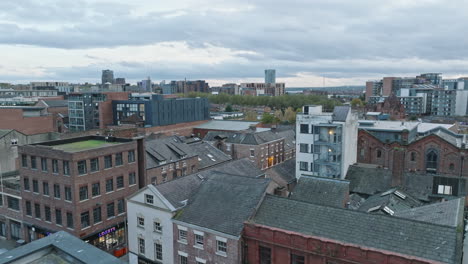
[
  {"x": 149, "y": 199},
  {"x": 139, "y": 223},
  {"x": 159, "y": 229}
]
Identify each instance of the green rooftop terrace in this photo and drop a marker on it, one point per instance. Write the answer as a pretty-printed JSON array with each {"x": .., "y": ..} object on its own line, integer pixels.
[{"x": 84, "y": 145}]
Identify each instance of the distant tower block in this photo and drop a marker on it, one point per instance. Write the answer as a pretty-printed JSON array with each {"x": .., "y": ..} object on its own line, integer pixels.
[{"x": 270, "y": 76}]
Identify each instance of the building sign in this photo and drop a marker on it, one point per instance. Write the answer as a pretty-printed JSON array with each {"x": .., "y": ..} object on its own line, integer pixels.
[{"x": 108, "y": 231}]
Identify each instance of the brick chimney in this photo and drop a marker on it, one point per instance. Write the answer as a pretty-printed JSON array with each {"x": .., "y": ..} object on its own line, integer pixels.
[{"x": 398, "y": 167}]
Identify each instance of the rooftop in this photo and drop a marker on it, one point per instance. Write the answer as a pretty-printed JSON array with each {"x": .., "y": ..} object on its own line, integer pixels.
[
  {"x": 59, "y": 247},
  {"x": 323, "y": 191},
  {"x": 381, "y": 232},
  {"x": 248, "y": 137},
  {"x": 83, "y": 143},
  {"x": 227, "y": 125},
  {"x": 395, "y": 126}
]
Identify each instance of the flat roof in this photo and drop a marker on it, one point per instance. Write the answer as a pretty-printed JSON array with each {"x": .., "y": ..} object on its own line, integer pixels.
[
  {"x": 84, "y": 145},
  {"x": 387, "y": 125},
  {"x": 227, "y": 125}
]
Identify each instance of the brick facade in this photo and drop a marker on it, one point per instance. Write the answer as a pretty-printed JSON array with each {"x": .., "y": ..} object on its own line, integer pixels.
[
  {"x": 172, "y": 170},
  {"x": 12, "y": 118},
  {"x": 315, "y": 250}
]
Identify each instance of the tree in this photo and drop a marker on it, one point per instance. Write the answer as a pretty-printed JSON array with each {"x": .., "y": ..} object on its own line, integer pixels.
[
  {"x": 279, "y": 115},
  {"x": 268, "y": 118},
  {"x": 228, "y": 108},
  {"x": 356, "y": 102},
  {"x": 290, "y": 115},
  {"x": 251, "y": 116}
]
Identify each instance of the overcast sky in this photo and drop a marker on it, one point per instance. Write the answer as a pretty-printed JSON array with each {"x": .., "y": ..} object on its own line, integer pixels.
[{"x": 308, "y": 42}]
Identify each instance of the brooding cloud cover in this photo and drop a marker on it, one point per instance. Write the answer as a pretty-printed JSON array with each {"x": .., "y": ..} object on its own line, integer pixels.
[{"x": 345, "y": 42}]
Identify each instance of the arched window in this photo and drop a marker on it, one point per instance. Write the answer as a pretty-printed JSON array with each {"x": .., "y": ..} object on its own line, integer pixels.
[
  {"x": 431, "y": 160},
  {"x": 379, "y": 153},
  {"x": 452, "y": 167},
  {"x": 413, "y": 156}
]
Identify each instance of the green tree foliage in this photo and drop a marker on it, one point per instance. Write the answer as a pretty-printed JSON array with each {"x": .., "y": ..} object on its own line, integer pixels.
[
  {"x": 356, "y": 102},
  {"x": 228, "y": 108},
  {"x": 290, "y": 115},
  {"x": 275, "y": 102},
  {"x": 268, "y": 118},
  {"x": 251, "y": 116}
]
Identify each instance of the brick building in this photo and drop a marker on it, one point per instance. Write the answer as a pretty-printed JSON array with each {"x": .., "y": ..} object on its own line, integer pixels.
[
  {"x": 11, "y": 214},
  {"x": 286, "y": 231},
  {"x": 27, "y": 119},
  {"x": 79, "y": 185},
  {"x": 264, "y": 148}
]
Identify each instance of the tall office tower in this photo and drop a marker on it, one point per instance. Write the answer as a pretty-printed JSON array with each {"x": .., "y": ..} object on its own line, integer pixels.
[
  {"x": 270, "y": 76},
  {"x": 107, "y": 76}
]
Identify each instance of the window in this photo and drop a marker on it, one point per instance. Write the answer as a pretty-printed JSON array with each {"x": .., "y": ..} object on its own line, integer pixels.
[
  {"x": 452, "y": 167},
  {"x": 120, "y": 182},
  {"x": 199, "y": 240},
  {"x": 221, "y": 246},
  {"x": 48, "y": 214},
  {"x": 97, "y": 214},
  {"x": 303, "y": 166},
  {"x": 141, "y": 245},
  {"x": 84, "y": 193},
  {"x": 57, "y": 191},
  {"x": 66, "y": 167},
  {"x": 296, "y": 259},
  {"x": 55, "y": 168},
  {"x": 252, "y": 153},
  {"x": 413, "y": 156},
  {"x": 118, "y": 159},
  {"x": 444, "y": 189},
  {"x": 183, "y": 259},
  {"x": 158, "y": 251},
  {"x": 94, "y": 165},
  {"x": 149, "y": 198},
  {"x": 84, "y": 219},
  {"x": 108, "y": 161},
  {"x": 109, "y": 185},
  {"x": 58, "y": 216},
  {"x": 37, "y": 210},
  {"x": 33, "y": 163},
  {"x": 157, "y": 226},
  {"x": 265, "y": 255},
  {"x": 304, "y": 129},
  {"x": 35, "y": 186},
  {"x": 68, "y": 193},
  {"x": 110, "y": 210},
  {"x": 120, "y": 206},
  {"x": 26, "y": 184},
  {"x": 316, "y": 149},
  {"x": 45, "y": 188},
  {"x": 304, "y": 148},
  {"x": 131, "y": 178},
  {"x": 183, "y": 235},
  {"x": 379, "y": 153},
  {"x": 69, "y": 220},
  {"x": 24, "y": 161},
  {"x": 131, "y": 156},
  {"x": 82, "y": 167},
  {"x": 13, "y": 203},
  {"x": 28, "y": 208},
  {"x": 44, "y": 164},
  {"x": 141, "y": 221},
  {"x": 431, "y": 160},
  {"x": 95, "y": 189}
]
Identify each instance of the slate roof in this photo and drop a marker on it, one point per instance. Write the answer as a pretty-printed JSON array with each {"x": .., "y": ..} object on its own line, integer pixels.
[
  {"x": 227, "y": 125},
  {"x": 340, "y": 113},
  {"x": 414, "y": 238},
  {"x": 289, "y": 136},
  {"x": 166, "y": 149},
  {"x": 248, "y": 138},
  {"x": 180, "y": 189},
  {"x": 449, "y": 213},
  {"x": 223, "y": 203},
  {"x": 56, "y": 103},
  {"x": 208, "y": 155},
  {"x": 323, "y": 191},
  {"x": 368, "y": 179},
  {"x": 286, "y": 170},
  {"x": 62, "y": 246},
  {"x": 391, "y": 199}
]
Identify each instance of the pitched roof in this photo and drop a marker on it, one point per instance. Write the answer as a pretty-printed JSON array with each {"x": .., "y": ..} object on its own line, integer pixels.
[
  {"x": 323, "y": 191},
  {"x": 180, "y": 189},
  {"x": 286, "y": 170},
  {"x": 223, "y": 203},
  {"x": 449, "y": 213},
  {"x": 56, "y": 103},
  {"x": 59, "y": 247},
  {"x": 227, "y": 125},
  {"x": 163, "y": 150},
  {"x": 208, "y": 155},
  {"x": 368, "y": 179},
  {"x": 248, "y": 137},
  {"x": 390, "y": 201},
  {"x": 289, "y": 136},
  {"x": 340, "y": 113},
  {"x": 4, "y": 132},
  {"x": 413, "y": 238}
]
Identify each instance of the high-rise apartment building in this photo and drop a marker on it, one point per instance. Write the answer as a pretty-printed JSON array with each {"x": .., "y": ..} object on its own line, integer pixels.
[
  {"x": 107, "y": 76},
  {"x": 270, "y": 76},
  {"x": 326, "y": 142}
]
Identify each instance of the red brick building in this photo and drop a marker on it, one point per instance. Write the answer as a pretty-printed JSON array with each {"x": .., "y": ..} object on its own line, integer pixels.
[
  {"x": 79, "y": 185},
  {"x": 285, "y": 231}
]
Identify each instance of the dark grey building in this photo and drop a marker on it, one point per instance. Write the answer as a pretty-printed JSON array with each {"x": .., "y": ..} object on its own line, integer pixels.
[
  {"x": 107, "y": 76},
  {"x": 155, "y": 110},
  {"x": 83, "y": 110}
]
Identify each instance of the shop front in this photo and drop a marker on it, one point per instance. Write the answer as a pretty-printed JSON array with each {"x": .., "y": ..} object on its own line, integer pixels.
[{"x": 111, "y": 239}]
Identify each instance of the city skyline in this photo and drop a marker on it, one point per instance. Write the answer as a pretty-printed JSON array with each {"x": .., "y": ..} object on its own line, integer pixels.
[{"x": 346, "y": 43}]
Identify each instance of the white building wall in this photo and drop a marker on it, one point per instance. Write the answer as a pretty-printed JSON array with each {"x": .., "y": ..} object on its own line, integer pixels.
[
  {"x": 349, "y": 147},
  {"x": 461, "y": 104},
  {"x": 137, "y": 207}
]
